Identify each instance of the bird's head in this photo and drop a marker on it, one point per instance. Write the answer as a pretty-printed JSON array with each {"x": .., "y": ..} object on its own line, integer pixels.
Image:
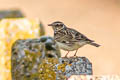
[{"x": 57, "y": 25}]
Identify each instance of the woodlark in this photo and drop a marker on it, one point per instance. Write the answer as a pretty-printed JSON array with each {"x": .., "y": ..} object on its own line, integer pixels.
[{"x": 69, "y": 39}]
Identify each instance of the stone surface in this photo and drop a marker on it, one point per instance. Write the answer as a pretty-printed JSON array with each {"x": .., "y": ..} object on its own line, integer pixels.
[
  {"x": 76, "y": 66},
  {"x": 94, "y": 77},
  {"x": 45, "y": 46},
  {"x": 37, "y": 59},
  {"x": 11, "y": 30},
  {"x": 28, "y": 55}
]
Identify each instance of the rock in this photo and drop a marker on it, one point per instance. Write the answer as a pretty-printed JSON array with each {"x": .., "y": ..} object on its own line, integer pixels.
[
  {"x": 27, "y": 57},
  {"x": 34, "y": 59},
  {"x": 74, "y": 66},
  {"x": 63, "y": 68},
  {"x": 94, "y": 77},
  {"x": 45, "y": 46},
  {"x": 11, "y": 30},
  {"x": 16, "y": 13}
]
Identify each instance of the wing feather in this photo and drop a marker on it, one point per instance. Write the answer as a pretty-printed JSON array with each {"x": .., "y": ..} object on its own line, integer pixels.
[{"x": 77, "y": 36}]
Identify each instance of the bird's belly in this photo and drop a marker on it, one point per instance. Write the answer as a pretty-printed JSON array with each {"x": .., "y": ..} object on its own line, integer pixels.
[{"x": 69, "y": 48}]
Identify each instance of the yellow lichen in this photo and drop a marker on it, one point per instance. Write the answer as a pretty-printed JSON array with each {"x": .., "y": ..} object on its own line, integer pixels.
[
  {"x": 10, "y": 31},
  {"x": 46, "y": 69},
  {"x": 62, "y": 67}
]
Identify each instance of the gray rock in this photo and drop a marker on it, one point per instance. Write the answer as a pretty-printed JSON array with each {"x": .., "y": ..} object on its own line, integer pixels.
[
  {"x": 40, "y": 59},
  {"x": 74, "y": 66},
  {"x": 27, "y": 55}
]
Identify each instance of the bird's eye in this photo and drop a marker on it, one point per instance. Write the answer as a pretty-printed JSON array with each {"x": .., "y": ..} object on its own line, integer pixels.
[{"x": 57, "y": 24}]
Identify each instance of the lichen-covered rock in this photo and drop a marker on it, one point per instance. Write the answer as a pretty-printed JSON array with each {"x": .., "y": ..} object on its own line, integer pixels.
[
  {"x": 11, "y": 30},
  {"x": 94, "y": 77},
  {"x": 73, "y": 66},
  {"x": 63, "y": 68},
  {"x": 35, "y": 59},
  {"x": 27, "y": 55},
  {"x": 45, "y": 46}
]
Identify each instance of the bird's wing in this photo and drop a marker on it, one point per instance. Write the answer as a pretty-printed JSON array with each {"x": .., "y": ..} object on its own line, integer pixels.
[{"x": 77, "y": 36}]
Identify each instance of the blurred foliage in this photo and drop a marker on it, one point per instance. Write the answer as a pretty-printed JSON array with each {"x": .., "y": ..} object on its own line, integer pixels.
[
  {"x": 42, "y": 29},
  {"x": 14, "y": 13}
]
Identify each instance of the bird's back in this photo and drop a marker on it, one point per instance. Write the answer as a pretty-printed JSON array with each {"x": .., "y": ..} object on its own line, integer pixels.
[{"x": 77, "y": 36}]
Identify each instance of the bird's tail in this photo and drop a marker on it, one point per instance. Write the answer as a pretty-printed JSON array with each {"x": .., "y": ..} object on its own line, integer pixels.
[{"x": 95, "y": 44}]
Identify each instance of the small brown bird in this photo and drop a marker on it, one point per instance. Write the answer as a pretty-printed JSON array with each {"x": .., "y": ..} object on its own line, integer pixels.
[{"x": 69, "y": 39}]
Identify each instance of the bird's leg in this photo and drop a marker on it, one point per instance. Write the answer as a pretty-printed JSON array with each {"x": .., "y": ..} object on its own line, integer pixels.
[
  {"x": 75, "y": 52},
  {"x": 66, "y": 54}
]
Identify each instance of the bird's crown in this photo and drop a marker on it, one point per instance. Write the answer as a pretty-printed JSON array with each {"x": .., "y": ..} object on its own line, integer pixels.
[{"x": 56, "y": 23}]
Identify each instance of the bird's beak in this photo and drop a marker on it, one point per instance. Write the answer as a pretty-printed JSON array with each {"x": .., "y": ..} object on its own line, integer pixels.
[{"x": 50, "y": 24}]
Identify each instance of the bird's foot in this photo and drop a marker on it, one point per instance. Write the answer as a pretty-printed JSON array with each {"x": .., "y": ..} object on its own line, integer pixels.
[
  {"x": 66, "y": 56},
  {"x": 75, "y": 56}
]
